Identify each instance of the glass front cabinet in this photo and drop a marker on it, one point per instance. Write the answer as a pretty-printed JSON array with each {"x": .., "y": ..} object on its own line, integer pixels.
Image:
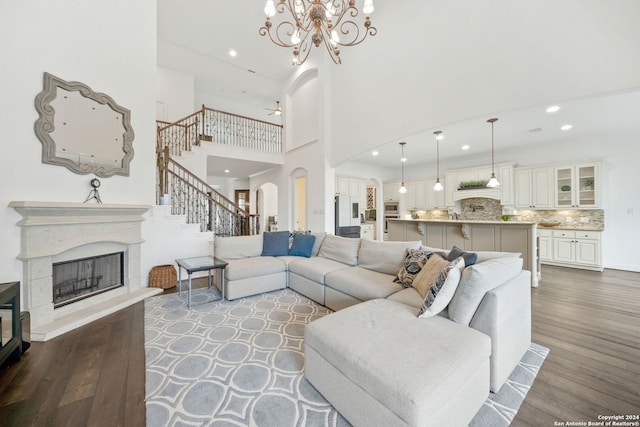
[{"x": 577, "y": 186}]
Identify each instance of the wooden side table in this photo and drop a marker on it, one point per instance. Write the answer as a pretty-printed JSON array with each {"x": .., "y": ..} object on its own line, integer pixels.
[
  {"x": 203, "y": 263},
  {"x": 10, "y": 325}
]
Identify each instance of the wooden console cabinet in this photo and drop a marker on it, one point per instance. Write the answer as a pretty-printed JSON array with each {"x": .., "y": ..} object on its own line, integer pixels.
[{"x": 10, "y": 326}]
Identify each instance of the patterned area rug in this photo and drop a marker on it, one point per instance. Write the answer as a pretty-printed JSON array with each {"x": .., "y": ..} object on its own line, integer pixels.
[{"x": 239, "y": 363}]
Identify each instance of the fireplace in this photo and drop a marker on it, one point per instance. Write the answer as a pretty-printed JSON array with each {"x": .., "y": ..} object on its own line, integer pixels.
[
  {"x": 82, "y": 278},
  {"x": 80, "y": 262}
]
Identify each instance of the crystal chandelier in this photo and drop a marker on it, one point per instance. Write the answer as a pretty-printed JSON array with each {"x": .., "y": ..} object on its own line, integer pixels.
[{"x": 307, "y": 22}]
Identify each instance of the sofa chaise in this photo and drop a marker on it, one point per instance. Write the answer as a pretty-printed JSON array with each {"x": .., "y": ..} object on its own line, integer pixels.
[{"x": 373, "y": 359}]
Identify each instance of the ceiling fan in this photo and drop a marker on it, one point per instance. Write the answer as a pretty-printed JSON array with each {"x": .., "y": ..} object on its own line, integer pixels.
[{"x": 277, "y": 111}]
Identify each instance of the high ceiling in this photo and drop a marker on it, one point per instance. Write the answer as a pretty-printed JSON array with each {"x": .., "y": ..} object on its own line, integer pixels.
[
  {"x": 195, "y": 37},
  {"x": 597, "y": 116}
]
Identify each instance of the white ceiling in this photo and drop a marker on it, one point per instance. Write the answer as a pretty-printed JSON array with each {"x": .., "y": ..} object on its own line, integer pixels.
[
  {"x": 194, "y": 37},
  {"x": 604, "y": 115}
]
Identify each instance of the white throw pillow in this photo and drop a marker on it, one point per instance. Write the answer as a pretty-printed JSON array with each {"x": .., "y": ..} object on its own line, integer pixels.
[
  {"x": 341, "y": 249},
  {"x": 384, "y": 257},
  {"x": 443, "y": 287},
  {"x": 237, "y": 247},
  {"x": 476, "y": 281},
  {"x": 320, "y": 235}
]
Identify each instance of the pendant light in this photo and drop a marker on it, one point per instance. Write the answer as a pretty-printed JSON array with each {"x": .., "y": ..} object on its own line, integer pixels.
[
  {"x": 402, "y": 189},
  {"x": 438, "y": 186},
  {"x": 493, "y": 181}
]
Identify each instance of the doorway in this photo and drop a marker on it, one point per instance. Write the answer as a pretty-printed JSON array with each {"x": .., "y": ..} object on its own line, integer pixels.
[
  {"x": 301, "y": 203},
  {"x": 242, "y": 200}
]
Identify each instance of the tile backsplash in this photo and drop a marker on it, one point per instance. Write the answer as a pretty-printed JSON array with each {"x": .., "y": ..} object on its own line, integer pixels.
[
  {"x": 484, "y": 209},
  {"x": 591, "y": 219}
]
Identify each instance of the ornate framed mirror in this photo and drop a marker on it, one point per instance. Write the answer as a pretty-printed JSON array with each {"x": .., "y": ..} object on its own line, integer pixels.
[{"x": 82, "y": 130}]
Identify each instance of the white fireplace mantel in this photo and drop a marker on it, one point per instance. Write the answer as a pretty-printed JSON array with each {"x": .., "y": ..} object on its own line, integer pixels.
[{"x": 57, "y": 231}]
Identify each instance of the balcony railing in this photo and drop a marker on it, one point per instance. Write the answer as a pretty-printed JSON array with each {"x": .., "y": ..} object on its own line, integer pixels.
[{"x": 222, "y": 128}]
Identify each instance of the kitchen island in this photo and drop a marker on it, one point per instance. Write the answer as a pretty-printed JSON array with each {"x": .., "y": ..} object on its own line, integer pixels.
[{"x": 473, "y": 235}]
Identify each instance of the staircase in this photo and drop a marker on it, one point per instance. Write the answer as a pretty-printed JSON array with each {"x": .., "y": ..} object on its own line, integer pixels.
[{"x": 189, "y": 195}]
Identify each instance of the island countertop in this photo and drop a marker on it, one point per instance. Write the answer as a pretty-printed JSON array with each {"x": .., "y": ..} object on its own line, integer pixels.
[
  {"x": 466, "y": 221},
  {"x": 472, "y": 235},
  {"x": 572, "y": 226}
]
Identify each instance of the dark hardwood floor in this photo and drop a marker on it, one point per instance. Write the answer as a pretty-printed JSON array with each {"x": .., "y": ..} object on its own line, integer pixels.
[
  {"x": 94, "y": 376},
  {"x": 591, "y": 323}
]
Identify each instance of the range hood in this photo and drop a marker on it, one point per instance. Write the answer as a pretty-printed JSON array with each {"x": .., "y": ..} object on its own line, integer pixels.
[{"x": 487, "y": 193}]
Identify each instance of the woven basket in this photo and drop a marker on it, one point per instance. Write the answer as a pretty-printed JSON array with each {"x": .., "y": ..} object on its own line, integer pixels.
[{"x": 163, "y": 276}]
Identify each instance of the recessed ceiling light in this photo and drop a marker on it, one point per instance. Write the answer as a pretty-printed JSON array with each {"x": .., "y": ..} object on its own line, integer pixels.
[
  {"x": 465, "y": 147},
  {"x": 553, "y": 109},
  {"x": 233, "y": 53},
  {"x": 566, "y": 127},
  {"x": 226, "y": 171},
  {"x": 404, "y": 159},
  {"x": 374, "y": 153}
]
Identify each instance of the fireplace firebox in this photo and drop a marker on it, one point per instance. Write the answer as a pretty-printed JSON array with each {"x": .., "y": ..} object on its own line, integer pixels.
[{"x": 85, "y": 277}]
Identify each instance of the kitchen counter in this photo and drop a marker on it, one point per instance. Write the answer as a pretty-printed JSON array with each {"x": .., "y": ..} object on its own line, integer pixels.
[
  {"x": 564, "y": 226},
  {"x": 473, "y": 235},
  {"x": 466, "y": 221},
  {"x": 576, "y": 227}
]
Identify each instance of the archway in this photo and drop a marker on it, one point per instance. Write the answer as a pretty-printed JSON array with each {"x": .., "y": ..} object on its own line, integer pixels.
[
  {"x": 299, "y": 197},
  {"x": 268, "y": 206}
]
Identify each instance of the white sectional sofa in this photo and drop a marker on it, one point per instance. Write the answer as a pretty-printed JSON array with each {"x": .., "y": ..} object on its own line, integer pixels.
[{"x": 373, "y": 359}]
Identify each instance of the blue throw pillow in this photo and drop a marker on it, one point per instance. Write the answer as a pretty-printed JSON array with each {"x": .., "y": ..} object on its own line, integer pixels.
[
  {"x": 302, "y": 245},
  {"x": 275, "y": 243},
  {"x": 470, "y": 258}
]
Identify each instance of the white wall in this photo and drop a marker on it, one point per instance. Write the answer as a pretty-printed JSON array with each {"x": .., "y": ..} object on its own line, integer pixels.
[
  {"x": 302, "y": 110},
  {"x": 176, "y": 91},
  {"x": 307, "y": 153},
  {"x": 110, "y": 46}
]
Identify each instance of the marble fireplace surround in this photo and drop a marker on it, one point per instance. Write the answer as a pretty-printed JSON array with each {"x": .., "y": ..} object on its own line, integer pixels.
[{"x": 54, "y": 232}]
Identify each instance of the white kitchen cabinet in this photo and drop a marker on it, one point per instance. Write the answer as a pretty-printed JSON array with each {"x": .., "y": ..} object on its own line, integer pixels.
[
  {"x": 421, "y": 194},
  {"x": 507, "y": 193},
  {"x": 465, "y": 175},
  {"x": 367, "y": 231},
  {"x": 450, "y": 186},
  {"x": 545, "y": 245},
  {"x": 575, "y": 248},
  {"x": 342, "y": 185},
  {"x": 390, "y": 191},
  {"x": 362, "y": 193},
  {"x": 577, "y": 186},
  {"x": 354, "y": 188},
  {"x": 416, "y": 196},
  {"x": 435, "y": 199},
  {"x": 504, "y": 173},
  {"x": 533, "y": 189},
  {"x": 564, "y": 250}
]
